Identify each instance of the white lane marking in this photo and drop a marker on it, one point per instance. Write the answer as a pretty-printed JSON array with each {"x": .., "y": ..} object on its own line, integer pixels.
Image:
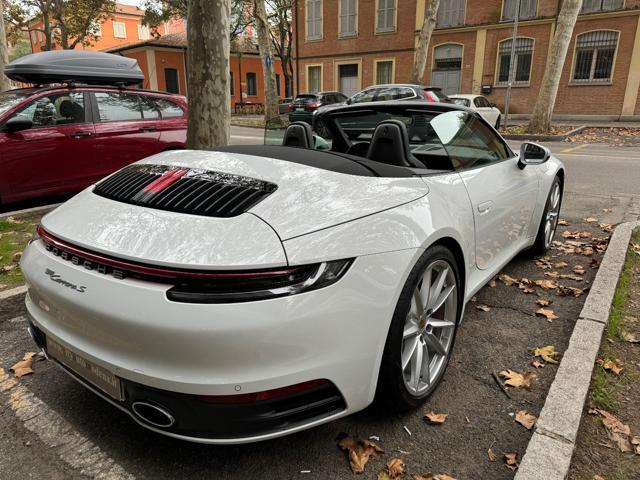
[
  {"x": 247, "y": 137},
  {"x": 598, "y": 155},
  {"x": 55, "y": 432},
  {"x": 6, "y": 294}
]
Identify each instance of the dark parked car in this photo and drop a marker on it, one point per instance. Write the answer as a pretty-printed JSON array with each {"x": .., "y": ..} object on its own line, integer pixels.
[
  {"x": 380, "y": 93},
  {"x": 302, "y": 108},
  {"x": 283, "y": 105}
]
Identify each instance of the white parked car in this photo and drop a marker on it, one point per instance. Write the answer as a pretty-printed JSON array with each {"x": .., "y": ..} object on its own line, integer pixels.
[
  {"x": 480, "y": 104},
  {"x": 253, "y": 291}
]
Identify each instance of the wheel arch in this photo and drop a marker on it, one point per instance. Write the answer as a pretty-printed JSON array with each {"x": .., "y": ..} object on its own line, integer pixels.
[{"x": 456, "y": 249}]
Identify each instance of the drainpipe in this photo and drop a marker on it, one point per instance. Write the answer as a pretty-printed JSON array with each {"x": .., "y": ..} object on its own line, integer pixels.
[
  {"x": 297, "y": 50},
  {"x": 512, "y": 69}
]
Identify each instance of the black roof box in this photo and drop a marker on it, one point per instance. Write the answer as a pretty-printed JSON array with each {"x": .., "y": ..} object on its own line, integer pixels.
[{"x": 75, "y": 66}]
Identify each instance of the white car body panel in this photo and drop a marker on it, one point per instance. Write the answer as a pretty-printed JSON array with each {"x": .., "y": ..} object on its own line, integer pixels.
[
  {"x": 130, "y": 328},
  {"x": 490, "y": 114},
  {"x": 307, "y": 198}
]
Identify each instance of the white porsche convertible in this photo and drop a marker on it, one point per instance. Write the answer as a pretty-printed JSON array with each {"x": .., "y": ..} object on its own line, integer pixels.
[{"x": 248, "y": 292}]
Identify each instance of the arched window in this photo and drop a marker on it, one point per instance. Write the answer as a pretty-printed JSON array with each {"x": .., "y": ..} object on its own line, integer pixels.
[
  {"x": 594, "y": 56},
  {"x": 522, "y": 63}
]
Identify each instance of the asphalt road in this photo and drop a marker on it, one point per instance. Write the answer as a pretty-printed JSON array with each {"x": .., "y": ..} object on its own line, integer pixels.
[{"x": 73, "y": 434}]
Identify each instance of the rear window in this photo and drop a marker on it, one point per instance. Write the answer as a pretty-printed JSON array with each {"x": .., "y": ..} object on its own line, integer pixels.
[
  {"x": 463, "y": 102},
  {"x": 440, "y": 94},
  {"x": 118, "y": 107},
  {"x": 305, "y": 98},
  {"x": 168, "y": 109}
]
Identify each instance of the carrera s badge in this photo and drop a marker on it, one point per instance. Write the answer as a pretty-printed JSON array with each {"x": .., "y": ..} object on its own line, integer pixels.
[{"x": 58, "y": 279}]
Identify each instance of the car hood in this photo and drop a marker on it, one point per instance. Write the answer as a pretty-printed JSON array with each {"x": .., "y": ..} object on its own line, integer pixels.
[{"x": 306, "y": 199}]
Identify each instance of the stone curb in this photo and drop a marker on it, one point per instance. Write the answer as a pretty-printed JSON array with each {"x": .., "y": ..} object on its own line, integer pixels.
[
  {"x": 6, "y": 294},
  {"x": 543, "y": 138},
  {"x": 549, "y": 452},
  {"x": 43, "y": 208}
]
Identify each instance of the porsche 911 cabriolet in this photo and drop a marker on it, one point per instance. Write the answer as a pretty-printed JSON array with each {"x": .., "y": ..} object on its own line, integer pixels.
[{"x": 249, "y": 292}]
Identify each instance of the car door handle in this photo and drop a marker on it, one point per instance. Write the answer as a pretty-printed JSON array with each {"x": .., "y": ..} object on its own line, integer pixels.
[
  {"x": 485, "y": 206},
  {"x": 147, "y": 129},
  {"x": 80, "y": 134}
]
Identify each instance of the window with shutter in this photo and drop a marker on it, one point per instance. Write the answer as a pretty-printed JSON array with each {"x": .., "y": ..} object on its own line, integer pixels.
[
  {"x": 595, "y": 51},
  {"x": 528, "y": 9},
  {"x": 348, "y": 17},
  {"x": 314, "y": 19}
]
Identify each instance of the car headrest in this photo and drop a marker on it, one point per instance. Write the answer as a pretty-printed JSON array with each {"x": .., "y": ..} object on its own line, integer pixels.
[
  {"x": 390, "y": 144},
  {"x": 69, "y": 109},
  {"x": 298, "y": 134}
]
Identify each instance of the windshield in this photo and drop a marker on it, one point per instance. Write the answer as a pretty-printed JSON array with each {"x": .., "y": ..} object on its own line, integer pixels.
[
  {"x": 464, "y": 102},
  {"x": 9, "y": 100}
]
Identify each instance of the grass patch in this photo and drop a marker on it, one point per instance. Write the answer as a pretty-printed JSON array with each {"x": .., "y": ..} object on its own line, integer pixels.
[
  {"x": 606, "y": 385},
  {"x": 615, "y": 328},
  {"x": 15, "y": 233}
]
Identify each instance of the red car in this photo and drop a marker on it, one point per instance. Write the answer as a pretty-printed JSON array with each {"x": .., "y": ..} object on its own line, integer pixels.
[{"x": 56, "y": 140}]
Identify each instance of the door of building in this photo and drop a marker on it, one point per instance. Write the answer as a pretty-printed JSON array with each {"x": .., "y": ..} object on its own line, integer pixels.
[
  {"x": 348, "y": 79},
  {"x": 447, "y": 68}
]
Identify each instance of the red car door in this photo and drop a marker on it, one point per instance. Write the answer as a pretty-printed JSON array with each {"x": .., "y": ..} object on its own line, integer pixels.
[
  {"x": 56, "y": 155},
  {"x": 173, "y": 123},
  {"x": 124, "y": 134}
]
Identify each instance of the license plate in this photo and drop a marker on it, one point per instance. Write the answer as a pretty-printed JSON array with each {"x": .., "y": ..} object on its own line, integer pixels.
[
  {"x": 300, "y": 109},
  {"x": 92, "y": 373}
]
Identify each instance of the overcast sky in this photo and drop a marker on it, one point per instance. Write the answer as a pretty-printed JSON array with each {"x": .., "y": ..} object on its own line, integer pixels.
[{"x": 131, "y": 2}]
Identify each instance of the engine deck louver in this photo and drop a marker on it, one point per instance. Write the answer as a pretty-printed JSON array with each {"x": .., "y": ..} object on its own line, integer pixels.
[{"x": 184, "y": 190}]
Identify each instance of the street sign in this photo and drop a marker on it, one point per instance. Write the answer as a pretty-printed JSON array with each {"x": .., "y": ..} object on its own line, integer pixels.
[{"x": 268, "y": 62}]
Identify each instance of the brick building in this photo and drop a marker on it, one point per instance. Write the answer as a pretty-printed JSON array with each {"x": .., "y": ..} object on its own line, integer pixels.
[
  {"x": 164, "y": 63},
  {"x": 347, "y": 45},
  {"x": 122, "y": 28}
]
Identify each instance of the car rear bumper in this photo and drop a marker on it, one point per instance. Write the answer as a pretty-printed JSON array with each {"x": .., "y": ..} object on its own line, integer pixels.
[
  {"x": 171, "y": 353},
  {"x": 301, "y": 117}
]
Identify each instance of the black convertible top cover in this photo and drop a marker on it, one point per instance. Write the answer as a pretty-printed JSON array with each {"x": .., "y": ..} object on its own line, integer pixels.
[
  {"x": 327, "y": 160},
  {"x": 75, "y": 66}
]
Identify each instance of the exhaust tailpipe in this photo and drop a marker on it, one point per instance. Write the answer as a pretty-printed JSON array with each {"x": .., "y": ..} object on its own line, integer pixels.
[{"x": 153, "y": 414}]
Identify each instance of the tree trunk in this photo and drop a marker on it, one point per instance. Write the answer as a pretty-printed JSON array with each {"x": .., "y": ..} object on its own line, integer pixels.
[
  {"x": 420, "y": 59},
  {"x": 208, "y": 67},
  {"x": 541, "y": 118},
  {"x": 271, "y": 114},
  {"x": 4, "y": 53}
]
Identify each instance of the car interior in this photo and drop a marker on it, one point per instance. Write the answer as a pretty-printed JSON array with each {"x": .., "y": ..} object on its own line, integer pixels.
[{"x": 411, "y": 138}]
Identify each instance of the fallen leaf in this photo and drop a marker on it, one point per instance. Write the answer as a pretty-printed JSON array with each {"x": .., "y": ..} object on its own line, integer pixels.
[
  {"x": 395, "y": 468},
  {"x": 359, "y": 451},
  {"x": 517, "y": 379},
  {"x": 563, "y": 222},
  {"x": 630, "y": 337},
  {"x": 607, "y": 210},
  {"x": 548, "y": 313},
  {"x": 492, "y": 283},
  {"x": 595, "y": 263},
  {"x": 436, "y": 418},
  {"x": 525, "y": 419},
  {"x": 548, "y": 353},
  {"x": 7, "y": 268},
  {"x": 506, "y": 279},
  {"x": 546, "y": 284},
  {"x": 552, "y": 274},
  {"x": 16, "y": 257},
  {"x": 614, "y": 366},
  {"x": 491, "y": 456},
  {"x": 635, "y": 441},
  {"x": 13, "y": 220},
  {"x": 543, "y": 302},
  {"x": 510, "y": 460},
  {"x": 607, "y": 227},
  {"x": 543, "y": 262},
  {"x": 484, "y": 308},
  {"x": 569, "y": 291},
  {"x": 526, "y": 285},
  {"x": 431, "y": 476},
  {"x": 590, "y": 219},
  {"x": 579, "y": 269},
  {"x": 560, "y": 264},
  {"x": 23, "y": 367},
  {"x": 537, "y": 363}
]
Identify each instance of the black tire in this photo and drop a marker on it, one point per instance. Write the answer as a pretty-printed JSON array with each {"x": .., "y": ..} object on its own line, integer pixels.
[
  {"x": 541, "y": 245},
  {"x": 391, "y": 391}
]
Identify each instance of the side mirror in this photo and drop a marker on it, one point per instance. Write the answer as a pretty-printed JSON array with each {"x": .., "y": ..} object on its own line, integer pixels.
[
  {"x": 17, "y": 123},
  {"x": 492, "y": 105},
  {"x": 533, "y": 154},
  {"x": 348, "y": 101}
]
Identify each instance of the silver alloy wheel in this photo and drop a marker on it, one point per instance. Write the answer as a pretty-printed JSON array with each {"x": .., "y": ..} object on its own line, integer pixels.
[
  {"x": 553, "y": 211},
  {"x": 429, "y": 327}
]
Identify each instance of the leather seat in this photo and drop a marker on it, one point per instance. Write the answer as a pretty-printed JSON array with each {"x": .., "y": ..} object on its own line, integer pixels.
[
  {"x": 390, "y": 145},
  {"x": 71, "y": 112},
  {"x": 299, "y": 135}
]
